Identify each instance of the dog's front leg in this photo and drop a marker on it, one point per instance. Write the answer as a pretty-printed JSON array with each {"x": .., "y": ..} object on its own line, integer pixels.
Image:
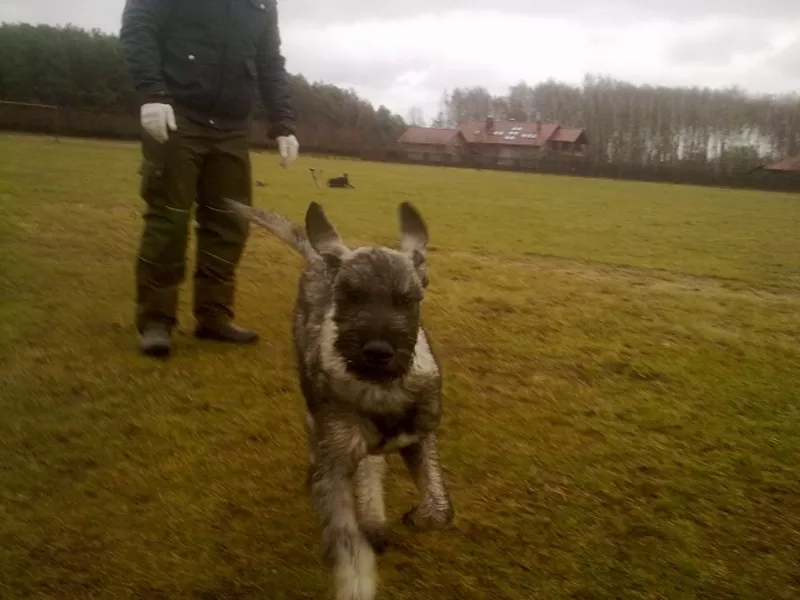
[
  {"x": 434, "y": 510},
  {"x": 369, "y": 499},
  {"x": 345, "y": 545}
]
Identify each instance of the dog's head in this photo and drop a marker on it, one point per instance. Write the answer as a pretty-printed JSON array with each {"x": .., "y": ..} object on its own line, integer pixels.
[{"x": 377, "y": 295}]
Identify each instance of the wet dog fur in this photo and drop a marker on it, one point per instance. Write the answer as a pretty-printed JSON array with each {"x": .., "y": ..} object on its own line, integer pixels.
[{"x": 371, "y": 383}]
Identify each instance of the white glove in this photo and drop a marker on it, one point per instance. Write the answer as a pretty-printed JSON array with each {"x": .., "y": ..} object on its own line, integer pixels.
[
  {"x": 156, "y": 118},
  {"x": 288, "y": 147}
]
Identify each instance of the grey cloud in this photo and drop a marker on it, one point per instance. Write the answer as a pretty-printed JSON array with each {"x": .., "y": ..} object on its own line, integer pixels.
[
  {"x": 583, "y": 10},
  {"x": 447, "y": 78},
  {"x": 719, "y": 47},
  {"x": 316, "y": 67},
  {"x": 377, "y": 76},
  {"x": 787, "y": 63},
  {"x": 89, "y": 14},
  {"x": 106, "y": 13},
  {"x": 311, "y": 49}
]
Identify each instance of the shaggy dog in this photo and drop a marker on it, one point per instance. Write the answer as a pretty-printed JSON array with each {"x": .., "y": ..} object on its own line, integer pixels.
[{"x": 371, "y": 384}]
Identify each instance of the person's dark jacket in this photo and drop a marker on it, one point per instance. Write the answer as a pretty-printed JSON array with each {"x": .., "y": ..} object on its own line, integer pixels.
[{"x": 207, "y": 58}]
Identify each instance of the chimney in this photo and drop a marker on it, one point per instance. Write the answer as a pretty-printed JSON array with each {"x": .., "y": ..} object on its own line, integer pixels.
[
  {"x": 489, "y": 124},
  {"x": 538, "y": 122}
]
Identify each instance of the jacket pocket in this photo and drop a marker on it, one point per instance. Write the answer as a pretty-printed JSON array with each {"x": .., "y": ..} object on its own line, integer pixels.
[
  {"x": 250, "y": 68},
  {"x": 184, "y": 67},
  {"x": 263, "y": 4},
  {"x": 152, "y": 168},
  {"x": 254, "y": 19},
  {"x": 151, "y": 180}
]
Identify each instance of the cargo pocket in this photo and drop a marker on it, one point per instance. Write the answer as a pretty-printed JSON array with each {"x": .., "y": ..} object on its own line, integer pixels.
[
  {"x": 151, "y": 180},
  {"x": 250, "y": 68}
]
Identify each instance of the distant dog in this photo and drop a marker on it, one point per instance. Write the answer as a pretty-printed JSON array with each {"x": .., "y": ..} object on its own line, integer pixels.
[
  {"x": 371, "y": 384},
  {"x": 340, "y": 182}
]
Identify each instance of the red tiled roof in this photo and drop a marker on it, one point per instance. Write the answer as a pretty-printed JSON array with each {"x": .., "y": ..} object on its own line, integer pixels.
[
  {"x": 511, "y": 133},
  {"x": 428, "y": 135},
  {"x": 791, "y": 163},
  {"x": 567, "y": 134}
]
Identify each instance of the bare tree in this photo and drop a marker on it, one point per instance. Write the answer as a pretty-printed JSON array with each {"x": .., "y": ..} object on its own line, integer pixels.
[
  {"x": 416, "y": 117},
  {"x": 648, "y": 126}
]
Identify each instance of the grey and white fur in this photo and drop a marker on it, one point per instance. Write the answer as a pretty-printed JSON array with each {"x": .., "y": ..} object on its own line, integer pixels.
[{"x": 371, "y": 383}]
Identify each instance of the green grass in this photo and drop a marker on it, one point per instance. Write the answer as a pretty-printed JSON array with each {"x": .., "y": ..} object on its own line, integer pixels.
[{"x": 622, "y": 419}]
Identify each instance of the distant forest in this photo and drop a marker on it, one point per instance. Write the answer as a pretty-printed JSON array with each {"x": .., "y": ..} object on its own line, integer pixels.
[
  {"x": 697, "y": 135},
  {"x": 645, "y": 125},
  {"x": 84, "y": 73}
]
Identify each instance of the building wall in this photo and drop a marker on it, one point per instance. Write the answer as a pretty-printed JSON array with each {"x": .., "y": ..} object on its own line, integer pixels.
[
  {"x": 436, "y": 153},
  {"x": 571, "y": 148},
  {"x": 488, "y": 154},
  {"x": 506, "y": 156}
]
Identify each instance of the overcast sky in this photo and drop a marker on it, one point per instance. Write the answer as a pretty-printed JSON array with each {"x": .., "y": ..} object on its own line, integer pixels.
[{"x": 406, "y": 53}]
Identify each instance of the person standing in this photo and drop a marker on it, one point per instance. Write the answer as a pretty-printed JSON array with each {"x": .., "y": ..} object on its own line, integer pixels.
[{"x": 196, "y": 67}]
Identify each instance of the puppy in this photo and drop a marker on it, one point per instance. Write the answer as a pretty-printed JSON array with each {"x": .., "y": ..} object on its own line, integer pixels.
[
  {"x": 371, "y": 383},
  {"x": 340, "y": 182}
]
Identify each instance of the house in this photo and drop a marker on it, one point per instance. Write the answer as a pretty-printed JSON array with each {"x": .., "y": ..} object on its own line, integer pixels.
[
  {"x": 430, "y": 144},
  {"x": 504, "y": 143},
  {"x": 790, "y": 164}
]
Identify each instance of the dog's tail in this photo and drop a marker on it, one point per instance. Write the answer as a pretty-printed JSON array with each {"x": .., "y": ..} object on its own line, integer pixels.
[{"x": 277, "y": 225}]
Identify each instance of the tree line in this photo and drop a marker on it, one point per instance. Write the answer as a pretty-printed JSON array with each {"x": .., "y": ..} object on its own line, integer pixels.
[
  {"x": 84, "y": 73},
  {"x": 724, "y": 130},
  {"x": 696, "y": 135}
]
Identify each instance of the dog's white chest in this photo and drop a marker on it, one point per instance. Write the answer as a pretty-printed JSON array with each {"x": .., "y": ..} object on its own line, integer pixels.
[
  {"x": 376, "y": 397},
  {"x": 396, "y": 443}
]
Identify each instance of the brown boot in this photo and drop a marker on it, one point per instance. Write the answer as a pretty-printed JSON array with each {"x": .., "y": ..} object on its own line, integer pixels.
[
  {"x": 155, "y": 340},
  {"x": 225, "y": 332}
]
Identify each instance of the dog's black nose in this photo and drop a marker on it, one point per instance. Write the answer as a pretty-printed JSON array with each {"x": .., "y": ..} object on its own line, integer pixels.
[{"x": 378, "y": 352}]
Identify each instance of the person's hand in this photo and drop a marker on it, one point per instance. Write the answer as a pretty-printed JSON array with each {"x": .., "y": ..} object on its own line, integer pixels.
[
  {"x": 156, "y": 118},
  {"x": 288, "y": 147}
]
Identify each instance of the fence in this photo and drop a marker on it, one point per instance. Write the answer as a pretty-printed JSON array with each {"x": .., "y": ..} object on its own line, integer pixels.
[
  {"x": 332, "y": 141},
  {"x": 688, "y": 173}
]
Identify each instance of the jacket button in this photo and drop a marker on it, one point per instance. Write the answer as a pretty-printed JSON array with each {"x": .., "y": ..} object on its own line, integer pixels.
[
  {"x": 191, "y": 57},
  {"x": 212, "y": 122},
  {"x": 262, "y": 7}
]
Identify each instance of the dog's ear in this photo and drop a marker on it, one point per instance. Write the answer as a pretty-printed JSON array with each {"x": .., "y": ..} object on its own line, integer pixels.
[
  {"x": 414, "y": 233},
  {"x": 321, "y": 234},
  {"x": 241, "y": 210}
]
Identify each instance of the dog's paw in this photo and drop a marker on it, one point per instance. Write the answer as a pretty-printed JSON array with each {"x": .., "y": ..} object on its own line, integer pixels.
[{"x": 428, "y": 520}]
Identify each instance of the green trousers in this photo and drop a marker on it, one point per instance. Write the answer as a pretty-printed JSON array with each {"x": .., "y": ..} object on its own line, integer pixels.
[{"x": 196, "y": 165}]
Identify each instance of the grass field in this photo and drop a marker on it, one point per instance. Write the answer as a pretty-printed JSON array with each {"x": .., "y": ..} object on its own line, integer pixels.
[{"x": 622, "y": 400}]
